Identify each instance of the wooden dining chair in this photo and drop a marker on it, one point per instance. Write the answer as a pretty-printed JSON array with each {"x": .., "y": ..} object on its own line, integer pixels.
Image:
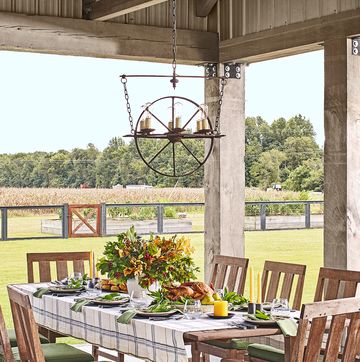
[
  {"x": 5, "y": 346},
  {"x": 61, "y": 259},
  {"x": 336, "y": 283},
  {"x": 343, "y": 315},
  {"x": 278, "y": 280},
  {"x": 272, "y": 288},
  {"x": 29, "y": 346},
  {"x": 229, "y": 272},
  {"x": 78, "y": 259}
]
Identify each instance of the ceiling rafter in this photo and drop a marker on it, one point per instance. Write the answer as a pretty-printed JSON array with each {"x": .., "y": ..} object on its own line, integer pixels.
[
  {"x": 204, "y": 7},
  {"x": 108, "y": 9},
  {"x": 55, "y": 35}
]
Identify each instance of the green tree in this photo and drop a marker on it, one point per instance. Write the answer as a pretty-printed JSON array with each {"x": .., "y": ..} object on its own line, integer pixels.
[
  {"x": 266, "y": 170},
  {"x": 299, "y": 149},
  {"x": 309, "y": 176}
]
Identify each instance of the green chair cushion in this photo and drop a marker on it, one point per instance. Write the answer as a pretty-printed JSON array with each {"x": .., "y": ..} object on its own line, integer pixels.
[
  {"x": 12, "y": 337},
  {"x": 59, "y": 352},
  {"x": 266, "y": 353},
  {"x": 232, "y": 344}
]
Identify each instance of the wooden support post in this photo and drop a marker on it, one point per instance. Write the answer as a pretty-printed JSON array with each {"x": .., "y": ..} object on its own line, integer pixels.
[
  {"x": 342, "y": 162},
  {"x": 225, "y": 174}
]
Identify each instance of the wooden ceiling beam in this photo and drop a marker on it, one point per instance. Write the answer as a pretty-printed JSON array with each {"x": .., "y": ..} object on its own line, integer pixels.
[
  {"x": 55, "y": 35},
  {"x": 204, "y": 7},
  {"x": 290, "y": 39},
  {"x": 109, "y": 9}
]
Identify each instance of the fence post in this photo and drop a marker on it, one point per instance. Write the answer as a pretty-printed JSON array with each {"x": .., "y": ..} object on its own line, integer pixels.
[
  {"x": 263, "y": 217},
  {"x": 160, "y": 219},
  {"x": 4, "y": 224},
  {"x": 65, "y": 221},
  {"x": 307, "y": 215},
  {"x": 103, "y": 219}
]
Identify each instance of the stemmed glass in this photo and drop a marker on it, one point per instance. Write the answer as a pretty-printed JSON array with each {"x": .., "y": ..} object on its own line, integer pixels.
[
  {"x": 280, "y": 308},
  {"x": 76, "y": 276}
]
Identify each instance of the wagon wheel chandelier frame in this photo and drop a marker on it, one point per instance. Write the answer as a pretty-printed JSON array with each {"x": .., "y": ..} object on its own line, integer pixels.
[{"x": 175, "y": 133}]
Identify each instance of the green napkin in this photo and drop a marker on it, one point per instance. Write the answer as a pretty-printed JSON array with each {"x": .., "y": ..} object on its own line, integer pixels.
[
  {"x": 127, "y": 316},
  {"x": 80, "y": 303},
  {"x": 40, "y": 292},
  {"x": 288, "y": 327}
]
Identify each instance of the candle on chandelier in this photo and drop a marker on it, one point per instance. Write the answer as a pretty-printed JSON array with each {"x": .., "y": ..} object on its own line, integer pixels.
[
  {"x": 178, "y": 122},
  {"x": 170, "y": 125},
  {"x": 147, "y": 122},
  {"x": 142, "y": 125},
  {"x": 204, "y": 123},
  {"x": 198, "y": 125}
]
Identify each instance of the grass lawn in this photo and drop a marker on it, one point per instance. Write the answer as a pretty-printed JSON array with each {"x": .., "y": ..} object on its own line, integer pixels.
[{"x": 298, "y": 246}]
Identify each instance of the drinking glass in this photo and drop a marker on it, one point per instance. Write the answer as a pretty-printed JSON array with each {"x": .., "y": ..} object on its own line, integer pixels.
[
  {"x": 139, "y": 303},
  {"x": 76, "y": 276},
  {"x": 280, "y": 308},
  {"x": 90, "y": 288},
  {"x": 192, "y": 310}
]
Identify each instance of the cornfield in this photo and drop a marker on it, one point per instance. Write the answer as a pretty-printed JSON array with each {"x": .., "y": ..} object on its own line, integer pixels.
[{"x": 42, "y": 196}]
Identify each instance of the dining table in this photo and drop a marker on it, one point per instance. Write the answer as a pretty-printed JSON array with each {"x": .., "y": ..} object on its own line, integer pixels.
[{"x": 152, "y": 340}]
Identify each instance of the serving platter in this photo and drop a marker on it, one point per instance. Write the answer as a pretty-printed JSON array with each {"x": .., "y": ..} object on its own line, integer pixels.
[
  {"x": 64, "y": 289},
  {"x": 145, "y": 313},
  {"x": 100, "y": 301}
]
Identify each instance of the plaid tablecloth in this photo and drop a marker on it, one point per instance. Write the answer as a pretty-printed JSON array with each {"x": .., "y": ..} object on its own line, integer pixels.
[{"x": 151, "y": 340}]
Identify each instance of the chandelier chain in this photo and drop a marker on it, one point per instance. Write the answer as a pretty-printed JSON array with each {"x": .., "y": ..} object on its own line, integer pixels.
[
  {"x": 174, "y": 80},
  {"x": 218, "y": 114},
  {"x": 128, "y": 107}
]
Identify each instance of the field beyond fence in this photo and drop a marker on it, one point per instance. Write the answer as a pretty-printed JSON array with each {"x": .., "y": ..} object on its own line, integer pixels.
[{"x": 53, "y": 196}]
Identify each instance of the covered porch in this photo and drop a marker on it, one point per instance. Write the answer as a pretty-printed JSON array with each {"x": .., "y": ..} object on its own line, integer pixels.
[{"x": 222, "y": 32}]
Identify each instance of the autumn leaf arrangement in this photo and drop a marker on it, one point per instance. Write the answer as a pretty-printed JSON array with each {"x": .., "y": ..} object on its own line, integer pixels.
[{"x": 149, "y": 260}]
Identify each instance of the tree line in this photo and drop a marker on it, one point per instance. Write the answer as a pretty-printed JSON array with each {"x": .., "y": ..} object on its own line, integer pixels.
[{"x": 284, "y": 152}]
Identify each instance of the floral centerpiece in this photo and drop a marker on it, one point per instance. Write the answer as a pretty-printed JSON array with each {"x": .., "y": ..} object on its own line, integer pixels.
[{"x": 157, "y": 259}]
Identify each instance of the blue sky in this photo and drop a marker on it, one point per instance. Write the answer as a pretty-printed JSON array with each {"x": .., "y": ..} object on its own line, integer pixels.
[{"x": 53, "y": 102}]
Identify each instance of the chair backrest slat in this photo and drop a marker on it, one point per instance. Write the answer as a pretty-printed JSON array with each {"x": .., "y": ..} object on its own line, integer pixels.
[
  {"x": 45, "y": 271},
  {"x": 79, "y": 266},
  {"x": 287, "y": 286},
  {"x": 230, "y": 272},
  {"x": 314, "y": 319},
  {"x": 5, "y": 347},
  {"x": 60, "y": 258},
  {"x": 27, "y": 335},
  {"x": 335, "y": 337},
  {"x": 315, "y": 339},
  {"x": 336, "y": 283},
  {"x": 61, "y": 269},
  {"x": 273, "y": 286},
  {"x": 231, "y": 283},
  {"x": 353, "y": 339}
]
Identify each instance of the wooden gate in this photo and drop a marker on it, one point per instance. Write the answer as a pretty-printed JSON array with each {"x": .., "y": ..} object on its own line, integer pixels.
[{"x": 84, "y": 220}]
